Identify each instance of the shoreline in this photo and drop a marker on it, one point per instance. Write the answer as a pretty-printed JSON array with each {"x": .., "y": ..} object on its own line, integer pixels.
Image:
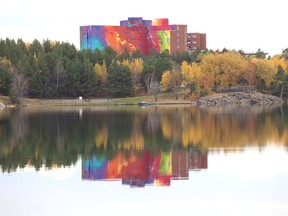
[{"x": 222, "y": 99}]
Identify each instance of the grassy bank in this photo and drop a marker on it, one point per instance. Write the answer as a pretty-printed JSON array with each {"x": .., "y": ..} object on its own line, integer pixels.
[{"x": 166, "y": 98}]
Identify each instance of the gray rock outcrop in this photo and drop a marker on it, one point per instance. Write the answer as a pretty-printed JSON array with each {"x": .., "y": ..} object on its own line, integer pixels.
[{"x": 239, "y": 98}]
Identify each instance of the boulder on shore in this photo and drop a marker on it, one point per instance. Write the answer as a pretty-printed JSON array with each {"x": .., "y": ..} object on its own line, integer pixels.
[{"x": 239, "y": 98}]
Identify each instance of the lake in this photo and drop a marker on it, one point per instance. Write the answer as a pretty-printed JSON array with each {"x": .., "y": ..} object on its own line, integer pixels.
[{"x": 130, "y": 160}]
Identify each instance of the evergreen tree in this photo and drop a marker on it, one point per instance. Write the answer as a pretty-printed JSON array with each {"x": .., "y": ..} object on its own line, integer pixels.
[
  {"x": 124, "y": 56},
  {"x": 164, "y": 63},
  {"x": 108, "y": 55},
  {"x": 119, "y": 80},
  {"x": 5, "y": 76}
]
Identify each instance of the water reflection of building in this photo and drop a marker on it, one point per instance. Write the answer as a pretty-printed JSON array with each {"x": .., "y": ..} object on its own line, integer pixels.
[{"x": 144, "y": 168}]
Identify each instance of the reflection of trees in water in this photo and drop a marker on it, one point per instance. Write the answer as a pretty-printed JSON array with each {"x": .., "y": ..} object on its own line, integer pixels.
[
  {"x": 239, "y": 127},
  {"x": 19, "y": 127},
  {"x": 153, "y": 122},
  {"x": 58, "y": 137},
  {"x": 239, "y": 110}
]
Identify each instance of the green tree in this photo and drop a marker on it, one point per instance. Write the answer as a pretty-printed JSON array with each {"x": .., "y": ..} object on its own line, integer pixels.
[
  {"x": 5, "y": 76},
  {"x": 137, "y": 54},
  {"x": 150, "y": 62},
  {"x": 124, "y": 55},
  {"x": 119, "y": 80},
  {"x": 108, "y": 55},
  {"x": 279, "y": 86},
  {"x": 162, "y": 64},
  {"x": 88, "y": 82},
  {"x": 260, "y": 54}
]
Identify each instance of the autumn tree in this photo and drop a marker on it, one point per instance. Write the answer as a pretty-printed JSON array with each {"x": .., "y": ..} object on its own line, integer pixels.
[
  {"x": 136, "y": 66},
  {"x": 101, "y": 75},
  {"x": 224, "y": 69},
  {"x": 233, "y": 65},
  {"x": 280, "y": 61},
  {"x": 191, "y": 76},
  {"x": 166, "y": 81},
  {"x": 171, "y": 81},
  {"x": 175, "y": 83},
  {"x": 265, "y": 71}
]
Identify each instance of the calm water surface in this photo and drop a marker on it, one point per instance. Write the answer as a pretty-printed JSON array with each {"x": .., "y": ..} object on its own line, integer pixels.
[{"x": 165, "y": 160}]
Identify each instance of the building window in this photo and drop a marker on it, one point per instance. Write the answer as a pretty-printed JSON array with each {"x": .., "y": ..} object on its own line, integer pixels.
[
  {"x": 194, "y": 42},
  {"x": 177, "y": 46},
  {"x": 194, "y": 36},
  {"x": 194, "y": 47}
]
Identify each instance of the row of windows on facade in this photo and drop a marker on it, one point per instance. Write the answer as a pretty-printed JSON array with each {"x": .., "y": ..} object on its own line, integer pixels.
[
  {"x": 194, "y": 42},
  {"x": 193, "y": 35},
  {"x": 193, "y": 47}
]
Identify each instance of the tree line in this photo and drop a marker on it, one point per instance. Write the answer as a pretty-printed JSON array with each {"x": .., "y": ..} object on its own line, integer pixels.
[{"x": 52, "y": 69}]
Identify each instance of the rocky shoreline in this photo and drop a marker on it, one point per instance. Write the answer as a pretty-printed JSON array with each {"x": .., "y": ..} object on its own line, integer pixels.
[{"x": 239, "y": 98}]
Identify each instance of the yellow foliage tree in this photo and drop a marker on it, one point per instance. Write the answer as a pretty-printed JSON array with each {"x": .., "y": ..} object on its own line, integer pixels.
[
  {"x": 166, "y": 81},
  {"x": 187, "y": 76},
  {"x": 191, "y": 74},
  {"x": 279, "y": 61},
  {"x": 101, "y": 71},
  {"x": 211, "y": 71},
  {"x": 232, "y": 66},
  {"x": 101, "y": 75},
  {"x": 249, "y": 74},
  {"x": 265, "y": 70},
  {"x": 136, "y": 66},
  {"x": 224, "y": 69}
]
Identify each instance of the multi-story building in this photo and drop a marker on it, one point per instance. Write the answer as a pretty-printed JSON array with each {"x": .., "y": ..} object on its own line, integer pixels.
[
  {"x": 196, "y": 41},
  {"x": 135, "y": 33},
  {"x": 143, "y": 35}
]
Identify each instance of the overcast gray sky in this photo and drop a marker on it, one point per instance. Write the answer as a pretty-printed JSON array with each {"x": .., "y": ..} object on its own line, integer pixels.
[{"x": 233, "y": 24}]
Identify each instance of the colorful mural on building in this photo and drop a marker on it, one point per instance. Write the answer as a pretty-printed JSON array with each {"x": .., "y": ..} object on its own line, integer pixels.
[
  {"x": 132, "y": 34},
  {"x": 137, "y": 170}
]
